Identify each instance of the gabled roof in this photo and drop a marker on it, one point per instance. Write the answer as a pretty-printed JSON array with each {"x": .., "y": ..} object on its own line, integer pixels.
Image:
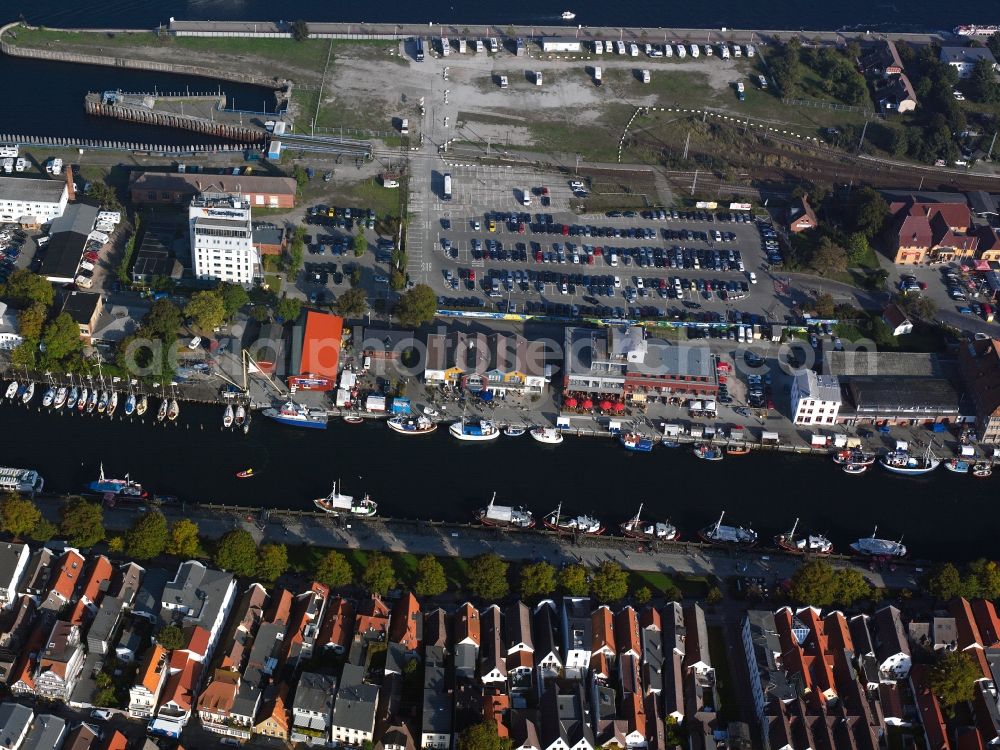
[
  {"x": 436, "y": 627},
  {"x": 373, "y": 617},
  {"x": 98, "y": 578},
  {"x": 407, "y": 625},
  {"x": 627, "y": 632},
  {"x": 931, "y": 715},
  {"x": 467, "y": 625},
  {"x": 602, "y": 631},
  {"x": 179, "y": 689},
  {"x": 650, "y": 618},
  {"x": 965, "y": 621},
  {"x": 274, "y": 706},
  {"x": 199, "y": 641},
  {"x": 281, "y": 607},
  {"x": 67, "y": 575},
  {"x": 219, "y": 694},
  {"x": 518, "y": 626},
  {"x": 338, "y": 624},
  {"x": 988, "y": 622},
  {"x": 149, "y": 673}
]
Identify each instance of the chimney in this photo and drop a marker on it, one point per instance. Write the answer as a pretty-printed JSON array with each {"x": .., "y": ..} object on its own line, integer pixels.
[{"x": 70, "y": 185}]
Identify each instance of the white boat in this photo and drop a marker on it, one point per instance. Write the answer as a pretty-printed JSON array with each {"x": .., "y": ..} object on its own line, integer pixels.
[
  {"x": 81, "y": 403},
  {"x": 112, "y": 403},
  {"x": 514, "y": 431},
  {"x": 870, "y": 545},
  {"x": 708, "y": 452},
  {"x": 982, "y": 470},
  {"x": 855, "y": 468},
  {"x": 854, "y": 456},
  {"x": 505, "y": 516},
  {"x": 411, "y": 425},
  {"x": 337, "y": 503},
  {"x": 476, "y": 430},
  {"x": 738, "y": 536},
  {"x": 92, "y": 401},
  {"x": 578, "y": 524},
  {"x": 130, "y": 405},
  {"x": 568, "y": 15},
  {"x": 174, "y": 410},
  {"x": 636, "y": 528},
  {"x": 548, "y": 435},
  {"x": 227, "y": 416},
  {"x": 29, "y": 393},
  {"x": 162, "y": 413},
  {"x": 958, "y": 466},
  {"x": 900, "y": 461},
  {"x": 74, "y": 396},
  {"x": 48, "y": 397},
  {"x": 102, "y": 402},
  {"x": 140, "y": 408},
  {"x": 815, "y": 544},
  {"x": 60, "y": 399},
  {"x": 296, "y": 415},
  {"x": 12, "y": 389},
  {"x": 241, "y": 415}
]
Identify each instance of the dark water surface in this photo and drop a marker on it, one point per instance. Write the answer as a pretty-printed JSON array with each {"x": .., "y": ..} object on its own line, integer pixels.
[{"x": 941, "y": 516}]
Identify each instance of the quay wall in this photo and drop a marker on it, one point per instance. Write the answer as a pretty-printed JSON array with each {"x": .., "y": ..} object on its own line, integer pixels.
[{"x": 142, "y": 116}]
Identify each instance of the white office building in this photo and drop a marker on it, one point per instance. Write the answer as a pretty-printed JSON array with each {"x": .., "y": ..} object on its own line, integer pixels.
[
  {"x": 31, "y": 201},
  {"x": 815, "y": 398},
  {"x": 222, "y": 239}
]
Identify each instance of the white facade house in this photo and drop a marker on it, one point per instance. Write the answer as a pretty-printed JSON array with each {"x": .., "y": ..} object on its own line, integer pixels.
[
  {"x": 815, "y": 398},
  {"x": 13, "y": 562},
  {"x": 222, "y": 239},
  {"x": 577, "y": 636},
  {"x": 964, "y": 59},
  {"x": 44, "y": 200}
]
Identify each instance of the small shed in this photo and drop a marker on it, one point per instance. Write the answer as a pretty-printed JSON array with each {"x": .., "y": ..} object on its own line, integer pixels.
[{"x": 769, "y": 438}]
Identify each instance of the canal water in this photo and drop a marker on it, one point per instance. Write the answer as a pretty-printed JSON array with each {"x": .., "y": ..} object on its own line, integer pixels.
[{"x": 942, "y": 516}]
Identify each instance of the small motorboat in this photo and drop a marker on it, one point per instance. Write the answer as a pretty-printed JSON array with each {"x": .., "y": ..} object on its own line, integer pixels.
[
  {"x": 130, "y": 405},
  {"x": 174, "y": 410},
  {"x": 737, "y": 450},
  {"x": 957, "y": 465},
  {"x": 246, "y": 423},
  {"x": 405, "y": 425},
  {"x": 855, "y": 468},
  {"x": 74, "y": 396},
  {"x": 29, "y": 393},
  {"x": 60, "y": 399},
  {"x": 92, "y": 401},
  {"x": 633, "y": 441},
  {"x": 548, "y": 435},
  {"x": 708, "y": 452},
  {"x": 982, "y": 470},
  {"x": 241, "y": 415},
  {"x": 102, "y": 402},
  {"x": 514, "y": 430},
  {"x": 227, "y": 417},
  {"x": 112, "y": 403},
  {"x": 12, "y": 389},
  {"x": 568, "y": 15},
  {"x": 162, "y": 413},
  {"x": 353, "y": 419},
  {"x": 48, "y": 397},
  {"x": 245, "y": 474},
  {"x": 140, "y": 408},
  {"x": 81, "y": 403}
]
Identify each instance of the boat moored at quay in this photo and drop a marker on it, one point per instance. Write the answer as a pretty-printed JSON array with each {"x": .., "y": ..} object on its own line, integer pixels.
[
  {"x": 872, "y": 546},
  {"x": 815, "y": 544},
  {"x": 636, "y": 528},
  {"x": 733, "y": 536},
  {"x": 337, "y": 504},
  {"x": 901, "y": 461},
  {"x": 505, "y": 516},
  {"x": 294, "y": 415},
  {"x": 633, "y": 441},
  {"x": 547, "y": 435},
  {"x": 474, "y": 430},
  {"x": 411, "y": 425},
  {"x": 27, "y": 481},
  {"x": 124, "y": 489},
  {"x": 583, "y": 524}
]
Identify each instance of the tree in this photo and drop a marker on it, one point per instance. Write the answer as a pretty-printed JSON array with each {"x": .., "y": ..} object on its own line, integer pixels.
[
  {"x": 416, "y": 306},
  {"x": 642, "y": 595},
  {"x": 988, "y": 573},
  {"x": 953, "y": 677},
  {"x": 296, "y": 251},
  {"x": 482, "y": 736},
  {"x": 62, "y": 341},
  {"x": 818, "y": 584},
  {"x": 993, "y": 44},
  {"x": 610, "y": 582},
  {"x": 104, "y": 195},
  {"x": 360, "y": 243},
  {"x": 397, "y": 279},
  {"x": 82, "y": 523},
  {"x": 828, "y": 258},
  {"x": 31, "y": 320},
  {"x": 116, "y": 544},
  {"x": 183, "y": 540},
  {"x": 714, "y": 595},
  {"x": 234, "y": 297},
  {"x": 171, "y": 637},
  {"x": 488, "y": 577},
  {"x": 870, "y": 212},
  {"x": 163, "y": 320},
  {"x": 300, "y": 176},
  {"x": 858, "y": 248},
  {"x": 43, "y": 531},
  {"x": 24, "y": 355},
  {"x": 852, "y": 586},
  {"x": 273, "y": 561},
  {"x": 148, "y": 537},
  {"x": 237, "y": 553},
  {"x": 300, "y": 30},
  {"x": 920, "y": 306},
  {"x": 334, "y": 570},
  {"x": 982, "y": 83},
  {"x": 24, "y": 288},
  {"x": 352, "y": 303},
  {"x": 573, "y": 580},
  {"x": 288, "y": 308},
  {"x": 824, "y": 305},
  {"x": 125, "y": 264},
  {"x": 379, "y": 575},
  {"x": 537, "y": 579},
  {"x": 206, "y": 309},
  {"x": 18, "y": 515},
  {"x": 431, "y": 580}
]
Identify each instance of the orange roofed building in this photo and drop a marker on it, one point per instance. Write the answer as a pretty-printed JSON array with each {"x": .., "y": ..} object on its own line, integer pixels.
[
  {"x": 407, "y": 625},
  {"x": 149, "y": 681},
  {"x": 922, "y": 232},
  {"x": 338, "y": 626},
  {"x": 316, "y": 354}
]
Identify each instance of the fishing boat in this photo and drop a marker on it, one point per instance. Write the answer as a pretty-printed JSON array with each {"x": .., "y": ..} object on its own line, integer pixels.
[
  {"x": 120, "y": 488},
  {"x": 162, "y": 413},
  {"x": 636, "y": 528},
  {"x": 130, "y": 405},
  {"x": 815, "y": 544},
  {"x": 27, "y": 481},
  {"x": 245, "y": 474},
  {"x": 514, "y": 430},
  {"x": 354, "y": 419},
  {"x": 174, "y": 410},
  {"x": 337, "y": 503},
  {"x": 60, "y": 399},
  {"x": 112, "y": 403},
  {"x": 29, "y": 393},
  {"x": 474, "y": 430},
  {"x": 227, "y": 417},
  {"x": 81, "y": 403},
  {"x": 505, "y": 516},
  {"x": 900, "y": 461},
  {"x": 12, "y": 390},
  {"x": 854, "y": 456},
  {"x": 411, "y": 425},
  {"x": 48, "y": 397},
  {"x": 855, "y": 468},
  {"x": 577, "y": 524},
  {"x": 568, "y": 15},
  {"x": 708, "y": 452},
  {"x": 547, "y": 435},
  {"x": 734, "y": 536},
  {"x": 246, "y": 422},
  {"x": 737, "y": 450},
  {"x": 92, "y": 401},
  {"x": 633, "y": 441},
  {"x": 958, "y": 466},
  {"x": 73, "y": 397},
  {"x": 102, "y": 402},
  {"x": 982, "y": 470},
  {"x": 142, "y": 406},
  {"x": 875, "y": 547},
  {"x": 241, "y": 415},
  {"x": 293, "y": 414}
]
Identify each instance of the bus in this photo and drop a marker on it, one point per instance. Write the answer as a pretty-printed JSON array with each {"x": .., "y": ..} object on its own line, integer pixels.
[
  {"x": 420, "y": 49},
  {"x": 447, "y": 187}
]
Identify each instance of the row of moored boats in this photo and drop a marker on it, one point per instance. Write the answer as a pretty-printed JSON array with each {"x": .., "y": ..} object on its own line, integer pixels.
[
  {"x": 901, "y": 461},
  {"x": 89, "y": 400}
]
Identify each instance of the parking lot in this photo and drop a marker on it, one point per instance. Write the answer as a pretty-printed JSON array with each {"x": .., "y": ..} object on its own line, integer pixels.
[{"x": 963, "y": 297}]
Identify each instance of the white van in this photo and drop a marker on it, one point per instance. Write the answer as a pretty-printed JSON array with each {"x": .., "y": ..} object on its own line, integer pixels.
[
  {"x": 597, "y": 74},
  {"x": 538, "y": 78},
  {"x": 645, "y": 76},
  {"x": 633, "y": 49},
  {"x": 613, "y": 259},
  {"x": 404, "y": 127},
  {"x": 598, "y": 47},
  {"x": 525, "y": 197}
]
